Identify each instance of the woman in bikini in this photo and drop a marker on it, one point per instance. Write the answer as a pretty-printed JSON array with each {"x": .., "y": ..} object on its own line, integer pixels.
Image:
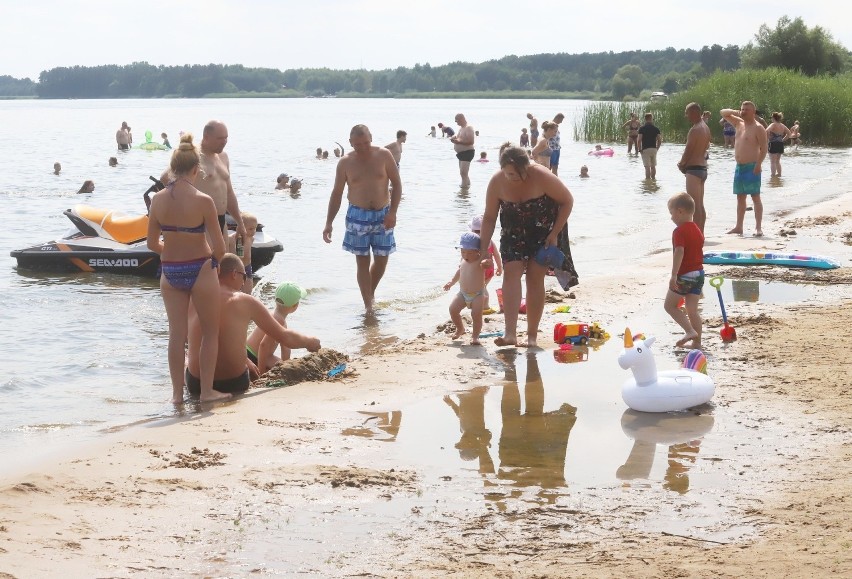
[
  {"x": 533, "y": 205},
  {"x": 632, "y": 125},
  {"x": 776, "y": 134},
  {"x": 542, "y": 152},
  {"x": 187, "y": 218}
]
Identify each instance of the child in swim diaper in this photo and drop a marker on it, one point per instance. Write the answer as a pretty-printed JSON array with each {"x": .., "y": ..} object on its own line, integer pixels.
[{"x": 470, "y": 276}]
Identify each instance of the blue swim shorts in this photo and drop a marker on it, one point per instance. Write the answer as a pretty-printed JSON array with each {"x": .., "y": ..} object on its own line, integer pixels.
[
  {"x": 690, "y": 283},
  {"x": 554, "y": 157},
  {"x": 745, "y": 181},
  {"x": 365, "y": 230}
]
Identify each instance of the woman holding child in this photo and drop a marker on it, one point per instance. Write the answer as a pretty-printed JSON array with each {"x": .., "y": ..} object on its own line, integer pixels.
[
  {"x": 187, "y": 218},
  {"x": 533, "y": 205}
]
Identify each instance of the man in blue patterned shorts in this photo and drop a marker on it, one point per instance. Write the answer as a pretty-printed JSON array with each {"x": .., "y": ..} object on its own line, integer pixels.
[
  {"x": 366, "y": 171},
  {"x": 749, "y": 152}
]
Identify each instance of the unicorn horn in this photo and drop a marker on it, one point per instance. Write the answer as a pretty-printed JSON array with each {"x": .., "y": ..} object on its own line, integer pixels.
[{"x": 628, "y": 338}]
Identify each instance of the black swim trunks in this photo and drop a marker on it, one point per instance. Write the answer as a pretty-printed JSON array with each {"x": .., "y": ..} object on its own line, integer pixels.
[
  {"x": 123, "y": 147},
  {"x": 466, "y": 155},
  {"x": 221, "y": 222},
  {"x": 236, "y": 385}
]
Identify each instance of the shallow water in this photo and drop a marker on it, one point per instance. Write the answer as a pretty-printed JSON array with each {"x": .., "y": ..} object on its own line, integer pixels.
[{"x": 86, "y": 352}]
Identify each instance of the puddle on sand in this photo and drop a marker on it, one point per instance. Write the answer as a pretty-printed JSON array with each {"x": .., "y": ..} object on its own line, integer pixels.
[
  {"x": 537, "y": 435},
  {"x": 744, "y": 290}
]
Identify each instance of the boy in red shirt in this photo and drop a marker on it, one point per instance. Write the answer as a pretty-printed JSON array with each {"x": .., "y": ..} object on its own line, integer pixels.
[{"x": 687, "y": 274}]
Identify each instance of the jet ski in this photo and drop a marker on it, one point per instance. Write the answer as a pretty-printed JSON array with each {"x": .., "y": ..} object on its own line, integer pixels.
[{"x": 113, "y": 242}]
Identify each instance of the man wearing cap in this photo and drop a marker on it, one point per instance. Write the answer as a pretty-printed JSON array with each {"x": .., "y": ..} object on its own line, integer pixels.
[
  {"x": 375, "y": 189},
  {"x": 236, "y": 310},
  {"x": 260, "y": 348}
]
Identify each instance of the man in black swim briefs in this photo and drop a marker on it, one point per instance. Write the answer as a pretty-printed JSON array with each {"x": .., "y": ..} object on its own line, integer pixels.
[
  {"x": 236, "y": 310},
  {"x": 693, "y": 162},
  {"x": 465, "y": 151}
]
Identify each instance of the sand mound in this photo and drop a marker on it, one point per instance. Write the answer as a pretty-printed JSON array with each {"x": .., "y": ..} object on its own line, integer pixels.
[{"x": 310, "y": 368}]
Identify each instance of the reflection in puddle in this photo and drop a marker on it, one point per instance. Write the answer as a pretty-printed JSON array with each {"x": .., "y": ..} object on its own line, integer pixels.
[
  {"x": 744, "y": 290},
  {"x": 382, "y": 426},
  {"x": 514, "y": 436},
  {"x": 680, "y": 432}
]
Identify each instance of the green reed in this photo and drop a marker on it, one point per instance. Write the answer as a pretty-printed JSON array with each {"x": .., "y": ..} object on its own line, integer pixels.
[{"x": 823, "y": 105}]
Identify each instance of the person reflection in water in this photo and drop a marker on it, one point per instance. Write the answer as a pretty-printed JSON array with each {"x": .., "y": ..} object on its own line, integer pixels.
[
  {"x": 533, "y": 443},
  {"x": 681, "y": 458},
  {"x": 475, "y": 438}
]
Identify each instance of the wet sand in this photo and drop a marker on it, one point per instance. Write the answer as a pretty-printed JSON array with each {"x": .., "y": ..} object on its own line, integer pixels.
[{"x": 310, "y": 479}]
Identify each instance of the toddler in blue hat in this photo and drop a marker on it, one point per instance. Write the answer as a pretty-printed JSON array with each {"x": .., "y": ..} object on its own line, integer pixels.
[{"x": 470, "y": 276}]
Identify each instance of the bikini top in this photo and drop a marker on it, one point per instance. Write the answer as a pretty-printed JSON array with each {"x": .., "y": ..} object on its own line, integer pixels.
[
  {"x": 181, "y": 229},
  {"x": 776, "y": 137},
  {"x": 545, "y": 152}
]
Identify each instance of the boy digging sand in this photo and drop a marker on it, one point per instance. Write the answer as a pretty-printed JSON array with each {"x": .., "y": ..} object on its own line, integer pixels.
[
  {"x": 471, "y": 278},
  {"x": 687, "y": 276},
  {"x": 260, "y": 347}
]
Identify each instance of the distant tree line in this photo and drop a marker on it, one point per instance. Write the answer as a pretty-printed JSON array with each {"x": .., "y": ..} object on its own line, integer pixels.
[{"x": 618, "y": 76}]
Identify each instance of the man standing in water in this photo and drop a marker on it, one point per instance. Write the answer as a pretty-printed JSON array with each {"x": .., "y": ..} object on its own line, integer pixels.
[
  {"x": 371, "y": 216},
  {"x": 649, "y": 142},
  {"x": 693, "y": 162},
  {"x": 122, "y": 137},
  {"x": 215, "y": 175},
  {"x": 396, "y": 147},
  {"x": 463, "y": 144},
  {"x": 749, "y": 152}
]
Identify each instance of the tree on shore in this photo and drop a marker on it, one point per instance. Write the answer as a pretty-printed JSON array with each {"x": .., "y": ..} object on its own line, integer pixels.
[{"x": 794, "y": 46}]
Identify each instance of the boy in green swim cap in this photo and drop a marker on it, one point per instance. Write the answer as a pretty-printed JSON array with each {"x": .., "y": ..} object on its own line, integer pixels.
[{"x": 260, "y": 348}]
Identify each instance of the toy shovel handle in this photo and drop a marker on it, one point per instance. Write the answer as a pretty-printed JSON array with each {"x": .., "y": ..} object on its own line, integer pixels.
[{"x": 716, "y": 282}]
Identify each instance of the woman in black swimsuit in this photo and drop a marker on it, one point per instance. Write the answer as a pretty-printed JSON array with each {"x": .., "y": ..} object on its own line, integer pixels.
[{"x": 533, "y": 205}]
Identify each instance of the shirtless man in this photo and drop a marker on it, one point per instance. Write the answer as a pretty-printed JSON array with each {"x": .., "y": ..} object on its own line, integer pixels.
[
  {"x": 371, "y": 216},
  {"x": 236, "y": 310},
  {"x": 215, "y": 175},
  {"x": 749, "y": 152},
  {"x": 693, "y": 163},
  {"x": 122, "y": 137},
  {"x": 463, "y": 144},
  {"x": 396, "y": 147},
  {"x": 533, "y": 129}
]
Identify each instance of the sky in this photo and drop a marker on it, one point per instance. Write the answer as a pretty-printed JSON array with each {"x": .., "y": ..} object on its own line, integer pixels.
[{"x": 37, "y": 35}]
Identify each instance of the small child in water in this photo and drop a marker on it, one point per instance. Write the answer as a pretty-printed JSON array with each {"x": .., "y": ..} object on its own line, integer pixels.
[
  {"x": 687, "y": 277},
  {"x": 483, "y": 157},
  {"x": 584, "y": 171},
  {"x": 470, "y": 276},
  {"x": 432, "y": 132},
  {"x": 525, "y": 138},
  {"x": 166, "y": 142},
  {"x": 260, "y": 348}
]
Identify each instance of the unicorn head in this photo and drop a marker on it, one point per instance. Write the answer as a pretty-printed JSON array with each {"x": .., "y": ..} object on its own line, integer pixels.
[{"x": 637, "y": 356}]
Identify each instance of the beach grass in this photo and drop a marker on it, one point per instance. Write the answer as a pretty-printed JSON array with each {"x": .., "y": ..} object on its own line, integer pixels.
[{"x": 823, "y": 105}]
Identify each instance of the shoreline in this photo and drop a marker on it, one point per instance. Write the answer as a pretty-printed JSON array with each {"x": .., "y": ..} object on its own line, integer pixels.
[{"x": 85, "y": 510}]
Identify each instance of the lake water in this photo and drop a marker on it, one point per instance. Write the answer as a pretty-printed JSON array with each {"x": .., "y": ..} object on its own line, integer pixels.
[{"x": 83, "y": 353}]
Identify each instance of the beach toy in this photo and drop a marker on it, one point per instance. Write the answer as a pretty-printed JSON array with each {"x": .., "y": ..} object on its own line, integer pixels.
[
  {"x": 490, "y": 334},
  {"x": 561, "y": 309},
  {"x": 608, "y": 152},
  {"x": 728, "y": 333},
  {"x": 522, "y": 309},
  {"x": 666, "y": 391},
  {"x": 336, "y": 370},
  {"x": 758, "y": 258},
  {"x": 568, "y": 354},
  {"x": 597, "y": 333},
  {"x": 150, "y": 145},
  {"x": 571, "y": 333},
  {"x": 695, "y": 360}
]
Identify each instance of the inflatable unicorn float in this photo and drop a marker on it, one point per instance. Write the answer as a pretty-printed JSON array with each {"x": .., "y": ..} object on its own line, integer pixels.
[{"x": 652, "y": 391}]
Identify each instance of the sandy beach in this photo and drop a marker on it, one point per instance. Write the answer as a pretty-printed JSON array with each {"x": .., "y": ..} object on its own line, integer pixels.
[{"x": 302, "y": 480}]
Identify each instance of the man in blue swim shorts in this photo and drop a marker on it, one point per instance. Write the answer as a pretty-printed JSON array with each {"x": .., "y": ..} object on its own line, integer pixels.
[
  {"x": 749, "y": 152},
  {"x": 374, "y": 190}
]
